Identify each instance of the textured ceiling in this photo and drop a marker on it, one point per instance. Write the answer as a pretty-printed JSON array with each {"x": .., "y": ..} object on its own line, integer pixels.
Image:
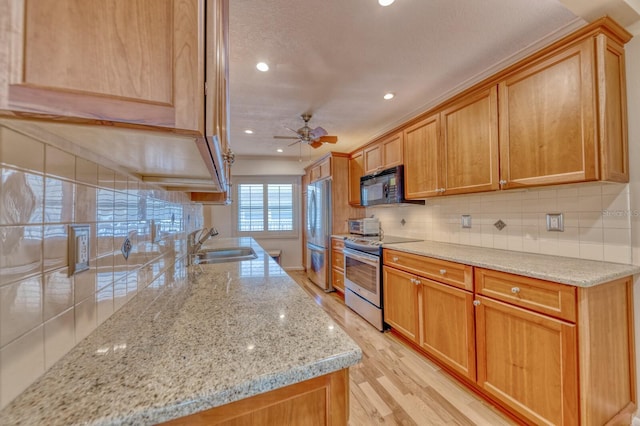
[{"x": 336, "y": 58}]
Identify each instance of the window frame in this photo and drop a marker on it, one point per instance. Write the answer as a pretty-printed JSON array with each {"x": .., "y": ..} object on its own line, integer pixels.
[{"x": 294, "y": 181}]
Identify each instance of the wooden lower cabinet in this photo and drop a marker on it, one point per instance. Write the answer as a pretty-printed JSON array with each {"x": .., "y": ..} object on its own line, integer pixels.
[
  {"x": 528, "y": 361},
  {"x": 400, "y": 298},
  {"x": 544, "y": 352},
  {"x": 447, "y": 326},
  {"x": 322, "y": 401}
]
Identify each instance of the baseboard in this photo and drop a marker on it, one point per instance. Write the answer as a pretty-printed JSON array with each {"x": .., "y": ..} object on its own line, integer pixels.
[{"x": 297, "y": 268}]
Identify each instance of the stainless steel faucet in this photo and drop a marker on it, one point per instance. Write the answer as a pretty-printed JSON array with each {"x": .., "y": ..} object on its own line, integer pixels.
[{"x": 196, "y": 239}]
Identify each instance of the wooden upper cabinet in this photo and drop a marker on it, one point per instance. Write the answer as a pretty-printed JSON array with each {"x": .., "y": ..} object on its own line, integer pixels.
[
  {"x": 469, "y": 156},
  {"x": 137, "y": 61},
  {"x": 356, "y": 171},
  {"x": 321, "y": 170},
  {"x": 563, "y": 117},
  {"x": 384, "y": 154},
  {"x": 421, "y": 150}
]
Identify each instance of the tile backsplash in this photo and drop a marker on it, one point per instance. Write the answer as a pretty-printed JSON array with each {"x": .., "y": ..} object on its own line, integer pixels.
[
  {"x": 597, "y": 220},
  {"x": 44, "y": 312}
]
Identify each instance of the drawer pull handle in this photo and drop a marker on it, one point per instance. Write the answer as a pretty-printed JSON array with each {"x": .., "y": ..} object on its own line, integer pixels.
[
  {"x": 413, "y": 280},
  {"x": 417, "y": 282},
  {"x": 515, "y": 290},
  {"x": 394, "y": 258},
  {"x": 443, "y": 271},
  {"x": 476, "y": 303}
]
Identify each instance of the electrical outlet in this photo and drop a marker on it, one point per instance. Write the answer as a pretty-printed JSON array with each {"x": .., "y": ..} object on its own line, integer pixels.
[
  {"x": 555, "y": 222},
  {"x": 79, "y": 248},
  {"x": 465, "y": 221}
]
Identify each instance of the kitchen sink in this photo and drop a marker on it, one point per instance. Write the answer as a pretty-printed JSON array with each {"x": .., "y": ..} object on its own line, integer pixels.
[{"x": 229, "y": 254}]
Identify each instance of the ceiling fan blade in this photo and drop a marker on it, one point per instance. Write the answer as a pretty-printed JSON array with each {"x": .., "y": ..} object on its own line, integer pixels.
[
  {"x": 318, "y": 132},
  {"x": 293, "y": 143},
  {"x": 316, "y": 144},
  {"x": 328, "y": 139},
  {"x": 297, "y": 132},
  {"x": 286, "y": 137}
]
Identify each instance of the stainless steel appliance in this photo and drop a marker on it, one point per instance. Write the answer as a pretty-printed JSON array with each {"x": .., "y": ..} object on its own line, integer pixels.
[
  {"x": 363, "y": 275},
  {"x": 367, "y": 226},
  {"x": 318, "y": 231},
  {"x": 385, "y": 187}
]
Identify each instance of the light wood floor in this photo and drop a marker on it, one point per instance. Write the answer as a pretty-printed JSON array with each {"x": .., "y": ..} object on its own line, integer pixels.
[{"x": 393, "y": 385}]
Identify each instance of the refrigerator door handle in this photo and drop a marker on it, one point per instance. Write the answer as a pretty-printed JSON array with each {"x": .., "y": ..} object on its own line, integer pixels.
[{"x": 314, "y": 215}]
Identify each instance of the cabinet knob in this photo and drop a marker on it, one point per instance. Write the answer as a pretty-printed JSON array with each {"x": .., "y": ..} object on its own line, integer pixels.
[
  {"x": 417, "y": 282},
  {"x": 442, "y": 190},
  {"x": 502, "y": 182},
  {"x": 443, "y": 271},
  {"x": 394, "y": 258},
  {"x": 476, "y": 303},
  {"x": 413, "y": 280},
  {"x": 515, "y": 290}
]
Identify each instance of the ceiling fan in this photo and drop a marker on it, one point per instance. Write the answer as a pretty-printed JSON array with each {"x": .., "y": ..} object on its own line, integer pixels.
[{"x": 313, "y": 137}]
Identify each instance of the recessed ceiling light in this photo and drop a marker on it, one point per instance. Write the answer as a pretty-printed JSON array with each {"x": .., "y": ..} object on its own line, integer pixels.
[
  {"x": 280, "y": 150},
  {"x": 262, "y": 66},
  {"x": 249, "y": 131},
  {"x": 388, "y": 96},
  {"x": 385, "y": 2}
]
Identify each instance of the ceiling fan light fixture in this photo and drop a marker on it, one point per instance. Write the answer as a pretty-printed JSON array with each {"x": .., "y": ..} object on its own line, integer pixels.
[
  {"x": 262, "y": 66},
  {"x": 389, "y": 95},
  {"x": 385, "y": 2}
]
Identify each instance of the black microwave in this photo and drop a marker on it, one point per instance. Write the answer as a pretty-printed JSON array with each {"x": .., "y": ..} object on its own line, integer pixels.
[{"x": 384, "y": 188}]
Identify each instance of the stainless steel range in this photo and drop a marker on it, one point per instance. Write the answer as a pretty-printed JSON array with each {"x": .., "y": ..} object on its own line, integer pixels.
[{"x": 363, "y": 275}]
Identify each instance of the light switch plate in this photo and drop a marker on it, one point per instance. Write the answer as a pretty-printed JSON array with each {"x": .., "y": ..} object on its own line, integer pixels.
[
  {"x": 79, "y": 248},
  {"x": 465, "y": 221},
  {"x": 555, "y": 222}
]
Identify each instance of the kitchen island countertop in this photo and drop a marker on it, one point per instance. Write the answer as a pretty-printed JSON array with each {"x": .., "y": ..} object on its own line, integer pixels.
[
  {"x": 565, "y": 270},
  {"x": 195, "y": 338}
]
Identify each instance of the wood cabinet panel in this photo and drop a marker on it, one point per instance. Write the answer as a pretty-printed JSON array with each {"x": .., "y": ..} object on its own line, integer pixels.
[
  {"x": 456, "y": 274},
  {"x": 322, "y": 401},
  {"x": 401, "y": 302},
  {"x": 384, "y": 154},
  {"x": 470, "y": 144},
  {"x": 134, "y": 62},
  {"x": 421, "y": 150},
  {"x": 356, "y": 171},
  {"x": 546, "y": 297},
  {"x": 337, "y": 259},
  {"x": 337, "y": 279},
  {"x": 547, "y": 120},
  {"x": 448, "y": 326},
  {"x": 337, "y": 243},
  {"x": 528, "y": 361}
]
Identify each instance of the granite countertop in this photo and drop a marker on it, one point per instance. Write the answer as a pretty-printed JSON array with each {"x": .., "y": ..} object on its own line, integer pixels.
[
  {"x": 197, "y": 338},
  {"x": 565, "y": 270}
]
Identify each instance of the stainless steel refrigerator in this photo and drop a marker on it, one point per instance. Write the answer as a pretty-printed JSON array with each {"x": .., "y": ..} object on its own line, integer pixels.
[{"x": 318, "y": 231}]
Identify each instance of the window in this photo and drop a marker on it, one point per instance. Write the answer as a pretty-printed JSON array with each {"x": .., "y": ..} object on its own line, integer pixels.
[{"x": 267, "y": 206}]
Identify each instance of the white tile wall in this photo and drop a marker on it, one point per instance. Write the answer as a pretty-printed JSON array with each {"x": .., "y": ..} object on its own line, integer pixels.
[
  {"x": 43, "y": 190},
  {"x": 597, "y": 220}
]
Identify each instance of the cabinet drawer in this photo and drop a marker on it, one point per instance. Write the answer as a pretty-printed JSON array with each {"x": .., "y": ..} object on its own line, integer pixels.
[
  {"x": 455, "y": 274},
  {"x": 546, "y": 297},
  {"x": 337, "y": 243},
  {"x": 337, "y": 280},
  {"x": 337, "y": 259}
]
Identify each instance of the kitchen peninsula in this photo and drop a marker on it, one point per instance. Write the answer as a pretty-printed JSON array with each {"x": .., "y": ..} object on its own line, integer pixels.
[{"x": 199, "y": 337}]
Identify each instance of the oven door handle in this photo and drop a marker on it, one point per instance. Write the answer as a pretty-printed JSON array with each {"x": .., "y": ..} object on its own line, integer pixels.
[{"x": 369, "y": 259}]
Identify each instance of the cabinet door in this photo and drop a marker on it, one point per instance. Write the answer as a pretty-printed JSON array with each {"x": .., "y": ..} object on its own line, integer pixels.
[
  {"x": 138, "y": 62},
  {"x": 392, "y": 151},
  {"x": 373, "y": 160},
  {"x": 356, "y": 171},
  {"x": 470, "y": 144},
  {"x": 421, "y": 151},
  {"x": 528, "y": 361},
  {"x": 448, "y": 330},
  {"x": 547, "y": 121},
  {"x": 325, "y": 168},
  {"x": 401, "y": 302}
]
